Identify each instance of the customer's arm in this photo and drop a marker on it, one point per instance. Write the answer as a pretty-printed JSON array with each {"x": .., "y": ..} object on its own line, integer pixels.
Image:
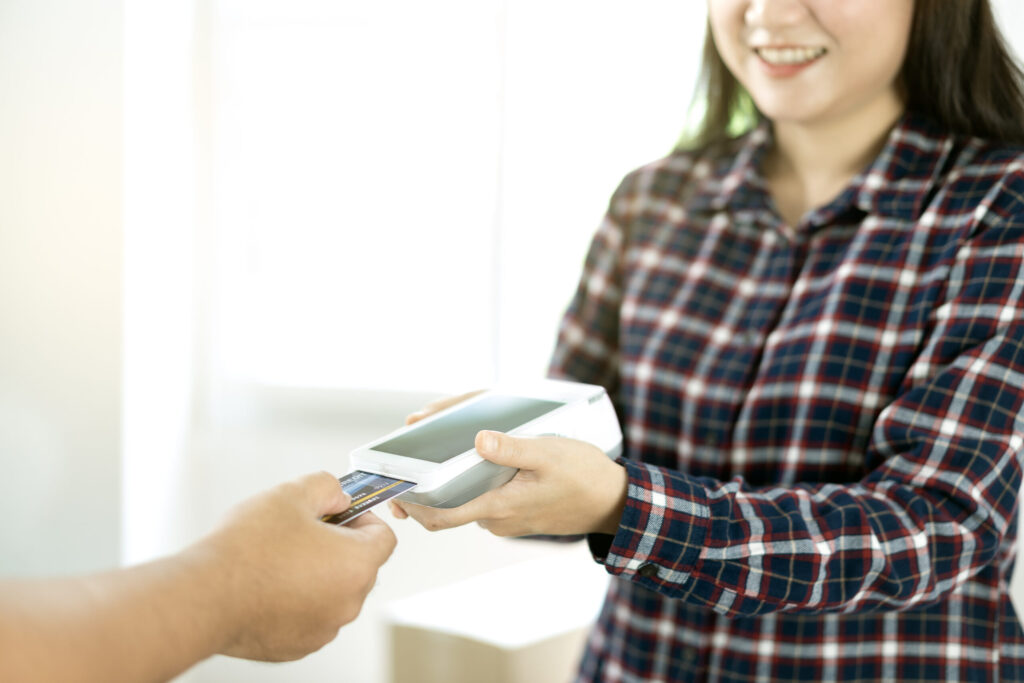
[{"x": 273, "y": 583}]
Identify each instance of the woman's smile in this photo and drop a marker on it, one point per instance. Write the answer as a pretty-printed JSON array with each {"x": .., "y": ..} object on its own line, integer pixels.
[{"x": 788, "y": 60}]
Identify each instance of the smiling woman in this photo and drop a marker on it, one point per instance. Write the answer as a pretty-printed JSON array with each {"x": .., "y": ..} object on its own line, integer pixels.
[
  {"x": 816, "y": 62},
  {"x": 823, "y": 73},
  {"x": 814, "y": 334},
  {"x": 946, "y": 38}
]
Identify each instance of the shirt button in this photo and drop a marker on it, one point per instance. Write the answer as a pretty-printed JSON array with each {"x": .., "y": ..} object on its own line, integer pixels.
[
  {"x": 711, "y": 440},
  {"x": 648, "y": 570}
]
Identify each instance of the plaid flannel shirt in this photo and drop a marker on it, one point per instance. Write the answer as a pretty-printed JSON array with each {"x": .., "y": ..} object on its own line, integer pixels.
[{"x": 823, "y": 422}]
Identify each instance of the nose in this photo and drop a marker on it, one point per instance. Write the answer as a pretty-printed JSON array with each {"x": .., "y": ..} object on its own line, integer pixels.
[{"x": 771, "y": 13}]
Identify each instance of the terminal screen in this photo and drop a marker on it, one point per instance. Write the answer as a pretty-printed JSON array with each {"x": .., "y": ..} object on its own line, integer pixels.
[{"x": 455, "y": 433}]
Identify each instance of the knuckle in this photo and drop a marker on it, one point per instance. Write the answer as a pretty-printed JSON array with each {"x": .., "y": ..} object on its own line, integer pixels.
[
  {"x": 362, "y": 591},
  {"x": 350, "y": 611},
  {"x": 500, "y": 531},
  {"x": 289, "y": 489},
  {"x": 510, "y": 445},
  {"x": 318, "y": 639},
  {"x": 520, "y": 449},
  {"x": 325, "y": 477},
  {"x": 329, "y": 635}
]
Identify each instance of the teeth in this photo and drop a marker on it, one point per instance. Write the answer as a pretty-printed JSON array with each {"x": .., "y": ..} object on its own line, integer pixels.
[{"x": 789, "y": 55}]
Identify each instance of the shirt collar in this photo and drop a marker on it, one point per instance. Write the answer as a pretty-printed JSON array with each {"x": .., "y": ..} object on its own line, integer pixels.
[
  {"x": 895, "y": 184},
  {"x": 739, "y": 185},
  {"x": 902, "y": 176}
]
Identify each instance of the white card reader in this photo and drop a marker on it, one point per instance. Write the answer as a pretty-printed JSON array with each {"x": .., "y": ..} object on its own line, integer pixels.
[{"x": 438, "y": 452}]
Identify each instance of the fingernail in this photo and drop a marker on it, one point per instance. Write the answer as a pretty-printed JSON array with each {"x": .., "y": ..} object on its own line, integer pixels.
[{"x": 489, "y": 442}]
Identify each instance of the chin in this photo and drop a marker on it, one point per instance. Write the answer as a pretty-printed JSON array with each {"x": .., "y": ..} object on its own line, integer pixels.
[{"x": 778, "y": 111}]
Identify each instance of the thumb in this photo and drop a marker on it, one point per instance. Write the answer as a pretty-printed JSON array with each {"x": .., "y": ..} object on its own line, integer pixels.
[
  {"x": 506, "y": 450},
  {"x": 323, "y": 493}
]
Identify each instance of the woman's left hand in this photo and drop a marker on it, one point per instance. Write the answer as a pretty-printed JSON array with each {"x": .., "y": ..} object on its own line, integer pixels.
[{"x": 563, "y": 487}]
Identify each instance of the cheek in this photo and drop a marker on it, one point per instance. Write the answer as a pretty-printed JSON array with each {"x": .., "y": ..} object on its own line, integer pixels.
[
  {"x": 877, "y": 59},
  {"x": 872, "y": 33},
  {"x": 898, "y": 39},
  {"x": 726, "y": 22}
]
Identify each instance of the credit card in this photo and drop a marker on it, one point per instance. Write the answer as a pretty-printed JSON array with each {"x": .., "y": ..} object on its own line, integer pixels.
[{"x": 367, "y": 490}]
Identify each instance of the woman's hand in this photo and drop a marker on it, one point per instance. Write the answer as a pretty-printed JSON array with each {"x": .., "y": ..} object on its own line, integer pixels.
[
  {"x": 563, "y": 487},
  {"x": 439, "y": 405}
]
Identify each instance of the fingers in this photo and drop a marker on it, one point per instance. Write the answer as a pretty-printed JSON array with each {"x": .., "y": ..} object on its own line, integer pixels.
[
  {"x": 323, "y": 493},
  {"x": 413, "y": 418},
  {"x": 396, "y": 510},
  {"x": 510, "y": 451},
  {"x": 436, "y": 519},
  {"x": 438, "y": 405},
  {"x": 367, "y": 521},
  {"x": 376, "y": 533}
]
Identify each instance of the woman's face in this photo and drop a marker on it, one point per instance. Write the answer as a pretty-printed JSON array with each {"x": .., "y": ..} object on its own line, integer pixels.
[{"x": 811, "y": 61}]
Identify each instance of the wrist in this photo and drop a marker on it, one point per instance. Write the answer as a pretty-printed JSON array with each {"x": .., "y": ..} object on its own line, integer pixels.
[
  {"x": 615, "y": 491},
  {"x": 213, "y": 591}
]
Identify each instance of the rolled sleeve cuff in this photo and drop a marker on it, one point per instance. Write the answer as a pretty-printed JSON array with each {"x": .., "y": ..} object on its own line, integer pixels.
[{"x": 662, "y": 530}]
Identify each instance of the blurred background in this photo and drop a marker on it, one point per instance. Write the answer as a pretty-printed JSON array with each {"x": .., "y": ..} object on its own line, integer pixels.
[{"x": 239, "y": 238}]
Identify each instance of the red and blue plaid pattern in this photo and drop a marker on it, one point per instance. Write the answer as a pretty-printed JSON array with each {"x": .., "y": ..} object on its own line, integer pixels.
[{"x": 824, "y": 423}]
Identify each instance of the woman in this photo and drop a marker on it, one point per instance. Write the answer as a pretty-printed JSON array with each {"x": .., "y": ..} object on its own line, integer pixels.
[{"x": 814, "y": 333}]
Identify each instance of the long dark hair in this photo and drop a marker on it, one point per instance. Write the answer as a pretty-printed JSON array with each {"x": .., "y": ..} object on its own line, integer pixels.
[{"x": 957, "y": 70}]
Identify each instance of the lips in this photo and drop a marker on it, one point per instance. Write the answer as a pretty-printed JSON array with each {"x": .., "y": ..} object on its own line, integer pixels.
[{"x": 789, "y": 56}]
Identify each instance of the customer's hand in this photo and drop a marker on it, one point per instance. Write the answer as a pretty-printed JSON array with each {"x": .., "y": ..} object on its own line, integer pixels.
[{"x": 290, "y": 581}]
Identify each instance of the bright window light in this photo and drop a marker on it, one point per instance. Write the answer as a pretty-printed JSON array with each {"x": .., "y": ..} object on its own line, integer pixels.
[{"x": 404, "y": 191}]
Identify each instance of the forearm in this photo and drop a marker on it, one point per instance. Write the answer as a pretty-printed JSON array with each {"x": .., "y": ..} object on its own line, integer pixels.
[
  {"x": 807, "y": 548},
  {"x": 145, "y": 623}
]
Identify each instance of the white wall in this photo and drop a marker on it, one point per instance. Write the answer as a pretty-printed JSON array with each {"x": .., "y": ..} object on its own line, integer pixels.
[
  {"x": 1010, "y": 14},
  {"x": 60, "y": 260}
]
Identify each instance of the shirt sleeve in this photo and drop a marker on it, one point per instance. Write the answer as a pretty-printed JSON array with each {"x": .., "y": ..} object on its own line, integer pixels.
[{"x": 932, "y": 513}]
